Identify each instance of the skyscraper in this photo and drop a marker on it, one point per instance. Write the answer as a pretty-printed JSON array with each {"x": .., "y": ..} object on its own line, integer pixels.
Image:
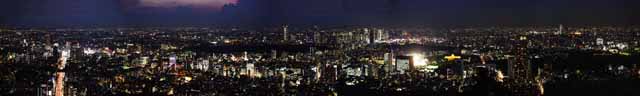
[
  {"x": 368, "y": 36},
  {"x": 404, "y": 64},
  {"x": 285, "y": 31},
  {"x": 560, "y": 29},
  {"x": 379, "y": 35},
  {"x": 521, "y": 66}
]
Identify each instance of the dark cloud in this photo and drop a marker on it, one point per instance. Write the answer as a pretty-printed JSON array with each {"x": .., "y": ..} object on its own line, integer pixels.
[
  {"x": 319, "y": 12},
  {"x": 213, "y": 4}
]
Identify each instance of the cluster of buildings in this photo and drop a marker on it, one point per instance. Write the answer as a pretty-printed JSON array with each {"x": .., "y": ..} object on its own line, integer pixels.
[{"x": 318, "y": 59}]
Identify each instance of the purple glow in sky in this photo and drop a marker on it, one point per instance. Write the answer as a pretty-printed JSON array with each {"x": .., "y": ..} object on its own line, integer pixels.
[{"x": 213, "y": 4}]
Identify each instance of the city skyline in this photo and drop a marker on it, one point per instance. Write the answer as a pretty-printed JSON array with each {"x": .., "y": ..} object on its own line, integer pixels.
[{"x": 319, "y": 47}]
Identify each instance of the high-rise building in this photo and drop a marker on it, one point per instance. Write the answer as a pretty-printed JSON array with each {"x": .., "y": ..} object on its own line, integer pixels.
[
  {"x": 404, "y": 64},
  {"x": 521, "y": 66},
  {"x": 388, "y": 57},
  {"x": 274, "y": 54},
  {"x": 203, "y": 65},
  {"x": 172, "y": 62},
  {"x": 285, "y": 33},
  {"x": 251, "y": 70},
  {"x": 388, "y": 66},
  {"x": 317, "y": 37},
  {"x": 560, "y": 29},
  {"x": 380, "y": 35},
  {"x": 599, "y": 41},
  {"x": 510, "y": 66},
  {"x": 369, "y": 35},
  {"x": 144, "y": 60}
]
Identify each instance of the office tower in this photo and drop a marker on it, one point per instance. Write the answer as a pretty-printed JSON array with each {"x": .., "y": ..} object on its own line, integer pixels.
[
  {"x": 404, "y": 64},
  {"x": 285, "y": 33}
]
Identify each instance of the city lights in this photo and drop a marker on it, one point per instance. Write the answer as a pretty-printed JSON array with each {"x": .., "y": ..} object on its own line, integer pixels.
[
  {"x": 452, "y": 57},
  {"x": 349, "y": 56},
  {"x": 419, "y": 60},
  {"x": 319, "y": 47}
]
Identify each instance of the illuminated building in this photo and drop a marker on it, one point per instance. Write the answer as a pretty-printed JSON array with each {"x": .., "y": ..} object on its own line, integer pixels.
[
  {"x": 418, "y": 59},
  {"x": 452, "y": 57},
  {"x": 202, "y": 65},
  {"x": 380, "y": 36},
  {"x": 404, "y": 64},
  {"x": 218, "y": 69},
  {"x": 317, "y": 69},
  {"x": 388, "y": 57},
  {"x": 388, "y": 65},
  {"x": 369, "y": 36},
  {"x": 274, "y": 54},
  {"x": 317, "y": 37},
  {"x": 172, "y": 62},
  {"x": 353, "y": 70},
  {"x": 510, "y": 61},
  {"x": 251, "y": 70},
  {"x": 285, "y": 33},
  {"x": 521, "y": 66},
  {"x": 144, "y": 60},
  {"x": 599, "y": 41},
  {"x": 561, "y": 29}
]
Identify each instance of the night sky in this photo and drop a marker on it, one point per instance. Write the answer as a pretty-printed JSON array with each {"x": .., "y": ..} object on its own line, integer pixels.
[{"x": 435, "y": 12}]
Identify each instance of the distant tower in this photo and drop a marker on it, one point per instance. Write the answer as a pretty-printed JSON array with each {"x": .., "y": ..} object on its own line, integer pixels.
[
  {"x": 369, "y": 35},
  {"x": 561, "y": 29},
  {"x": 317, "y": 37},
  {"x": 285, "y": 30},
  {"x": 380, "y": 35}
]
